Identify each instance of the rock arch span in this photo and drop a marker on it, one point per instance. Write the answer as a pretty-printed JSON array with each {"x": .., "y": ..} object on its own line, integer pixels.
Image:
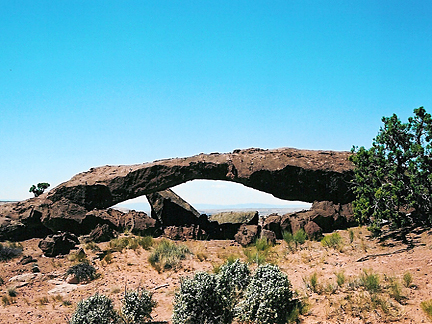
[{"x": 286, "y": 173}]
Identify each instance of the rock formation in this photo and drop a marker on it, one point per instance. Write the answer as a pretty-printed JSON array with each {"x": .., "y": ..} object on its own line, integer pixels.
[{"x": 286, "y": 173}]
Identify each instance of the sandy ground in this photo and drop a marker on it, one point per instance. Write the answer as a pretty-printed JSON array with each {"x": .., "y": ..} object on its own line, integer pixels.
[{"x": 46, "y": 298}]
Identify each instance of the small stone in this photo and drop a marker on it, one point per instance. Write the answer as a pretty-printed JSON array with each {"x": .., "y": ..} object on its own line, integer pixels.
[{"x": 72, "y": 279}]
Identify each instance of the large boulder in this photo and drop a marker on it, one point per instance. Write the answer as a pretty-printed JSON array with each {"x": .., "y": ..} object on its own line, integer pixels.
[
  {"x": 183, "y": 233},
  {"x": 56, "y": 244},
  {"x": 102, "y": 233},
  {"x": 230, "y": 222},
  {"x": 273, "y": 223},
  {"x": 247, "y": 234},
  {"x": 323, "y": 217},
  {"x": 169, "y": 209}
]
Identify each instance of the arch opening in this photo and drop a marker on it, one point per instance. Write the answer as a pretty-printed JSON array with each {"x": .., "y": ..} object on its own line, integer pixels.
[{"x": 213, "y": 195}]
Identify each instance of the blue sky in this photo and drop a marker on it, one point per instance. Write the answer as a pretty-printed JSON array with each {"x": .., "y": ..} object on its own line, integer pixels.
[{"x": 89, "y": 83}]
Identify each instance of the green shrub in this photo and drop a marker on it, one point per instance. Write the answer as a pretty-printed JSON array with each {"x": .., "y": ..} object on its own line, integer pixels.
[
  {"x": 407, "y": 279},
  {"x": 351, "y": 235},
  {"x": 395, "y": 291},
  {"x": 234, "y": 276},
  {"x": 199, "y": 301},
  {"x": 82, "y": 271},
  {"x": 119, "y": 244},
  {"x": 97, "y": 309},
  {"x": 146, "y": 242},
  {"x": 268, "y": 297},
  {"x": 340, "y": 278},
  {"x": 333, "y": 241},
  {"x": 137, "y": 306},
  {"x": 300, "y": 237},
  {"x": 288, "y": 238},
  {"x": 370, "y": 281},
  {"x": 427, "y": 307},
  {"x": 313, "y": 282},
  {"x": 92, "y": 246},
  {"x": 262, "y": 244},
  {"x": 167, "y": 255}
]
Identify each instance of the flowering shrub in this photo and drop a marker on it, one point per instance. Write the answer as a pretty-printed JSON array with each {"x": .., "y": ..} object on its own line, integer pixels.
[
  {"x": 97, "y": 309},
  {"x": 199, "y": 301},
  {"x": 233, "y": 276},
  {"x": 268, "y": 297},
  {"x": 137, "y": 306}
]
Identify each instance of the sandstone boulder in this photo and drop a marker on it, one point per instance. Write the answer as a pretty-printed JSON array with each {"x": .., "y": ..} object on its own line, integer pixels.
[
  {"x": 247, "y": 234},
  {"x": 273, "y": 223},
  {"x": 183, "y": 233},
  {"x": 56, "y": 244},
  {"x": 312, "y": 230},
  {"x": 169, "y": 209},
  {"x": 270, "y": 236},
  {"x": 102, "y": 233}
]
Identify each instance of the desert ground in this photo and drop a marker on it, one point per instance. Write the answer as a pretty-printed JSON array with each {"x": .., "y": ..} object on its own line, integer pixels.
[{"x": 45, "y": 297}]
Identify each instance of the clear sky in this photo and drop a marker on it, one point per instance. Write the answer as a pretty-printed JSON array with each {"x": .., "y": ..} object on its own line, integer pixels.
[{"x": 89, "y": 83}]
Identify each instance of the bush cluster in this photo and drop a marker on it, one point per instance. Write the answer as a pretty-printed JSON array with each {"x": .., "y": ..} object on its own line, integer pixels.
[
  {"x": 263, "y": 297},
  {"x": 97, "y": 309},
  {"x": 137, "y": 306}
]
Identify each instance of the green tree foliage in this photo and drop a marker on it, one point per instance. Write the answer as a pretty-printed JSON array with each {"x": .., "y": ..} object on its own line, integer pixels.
[
  {"x": 39, "y": 189},
  {"x": 393, "y": 179}
]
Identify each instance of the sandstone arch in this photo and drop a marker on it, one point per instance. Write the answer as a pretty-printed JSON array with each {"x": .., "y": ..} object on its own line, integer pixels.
[
  {"x": 286, "y": 173},
  {"x": 289, "y": 174}
]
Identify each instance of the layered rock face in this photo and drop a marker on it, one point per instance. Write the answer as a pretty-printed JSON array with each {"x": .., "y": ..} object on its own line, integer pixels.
[{"x": 286, "y": 173}]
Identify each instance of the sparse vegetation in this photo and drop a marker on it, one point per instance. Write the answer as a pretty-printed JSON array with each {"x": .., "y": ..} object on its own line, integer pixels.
[
  {"x": 407, "y": 279},
  {"x": 168, "y": 255},
  {"x": 333, "y": 241},
  {"x": 39, "y": 188},
  {"x": 370, "y": 281},
  {"x": 395, "y": 290},
  {"x": 294, "y": 240},
  {"x": 78, "y": 256},
  {"x": 7, "y": 300},
  {"x": 351, "y": 235},
  {"x": 92, "y": 246},
  {"x": 299, "y": 237},
  {"x": 340, "y": 278},
  {"x": 312, "y": 282},
  {"x": 131, "y": 242},
  {"x": 12, "y": 292},
  {"x": 426, "y": 306}
]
